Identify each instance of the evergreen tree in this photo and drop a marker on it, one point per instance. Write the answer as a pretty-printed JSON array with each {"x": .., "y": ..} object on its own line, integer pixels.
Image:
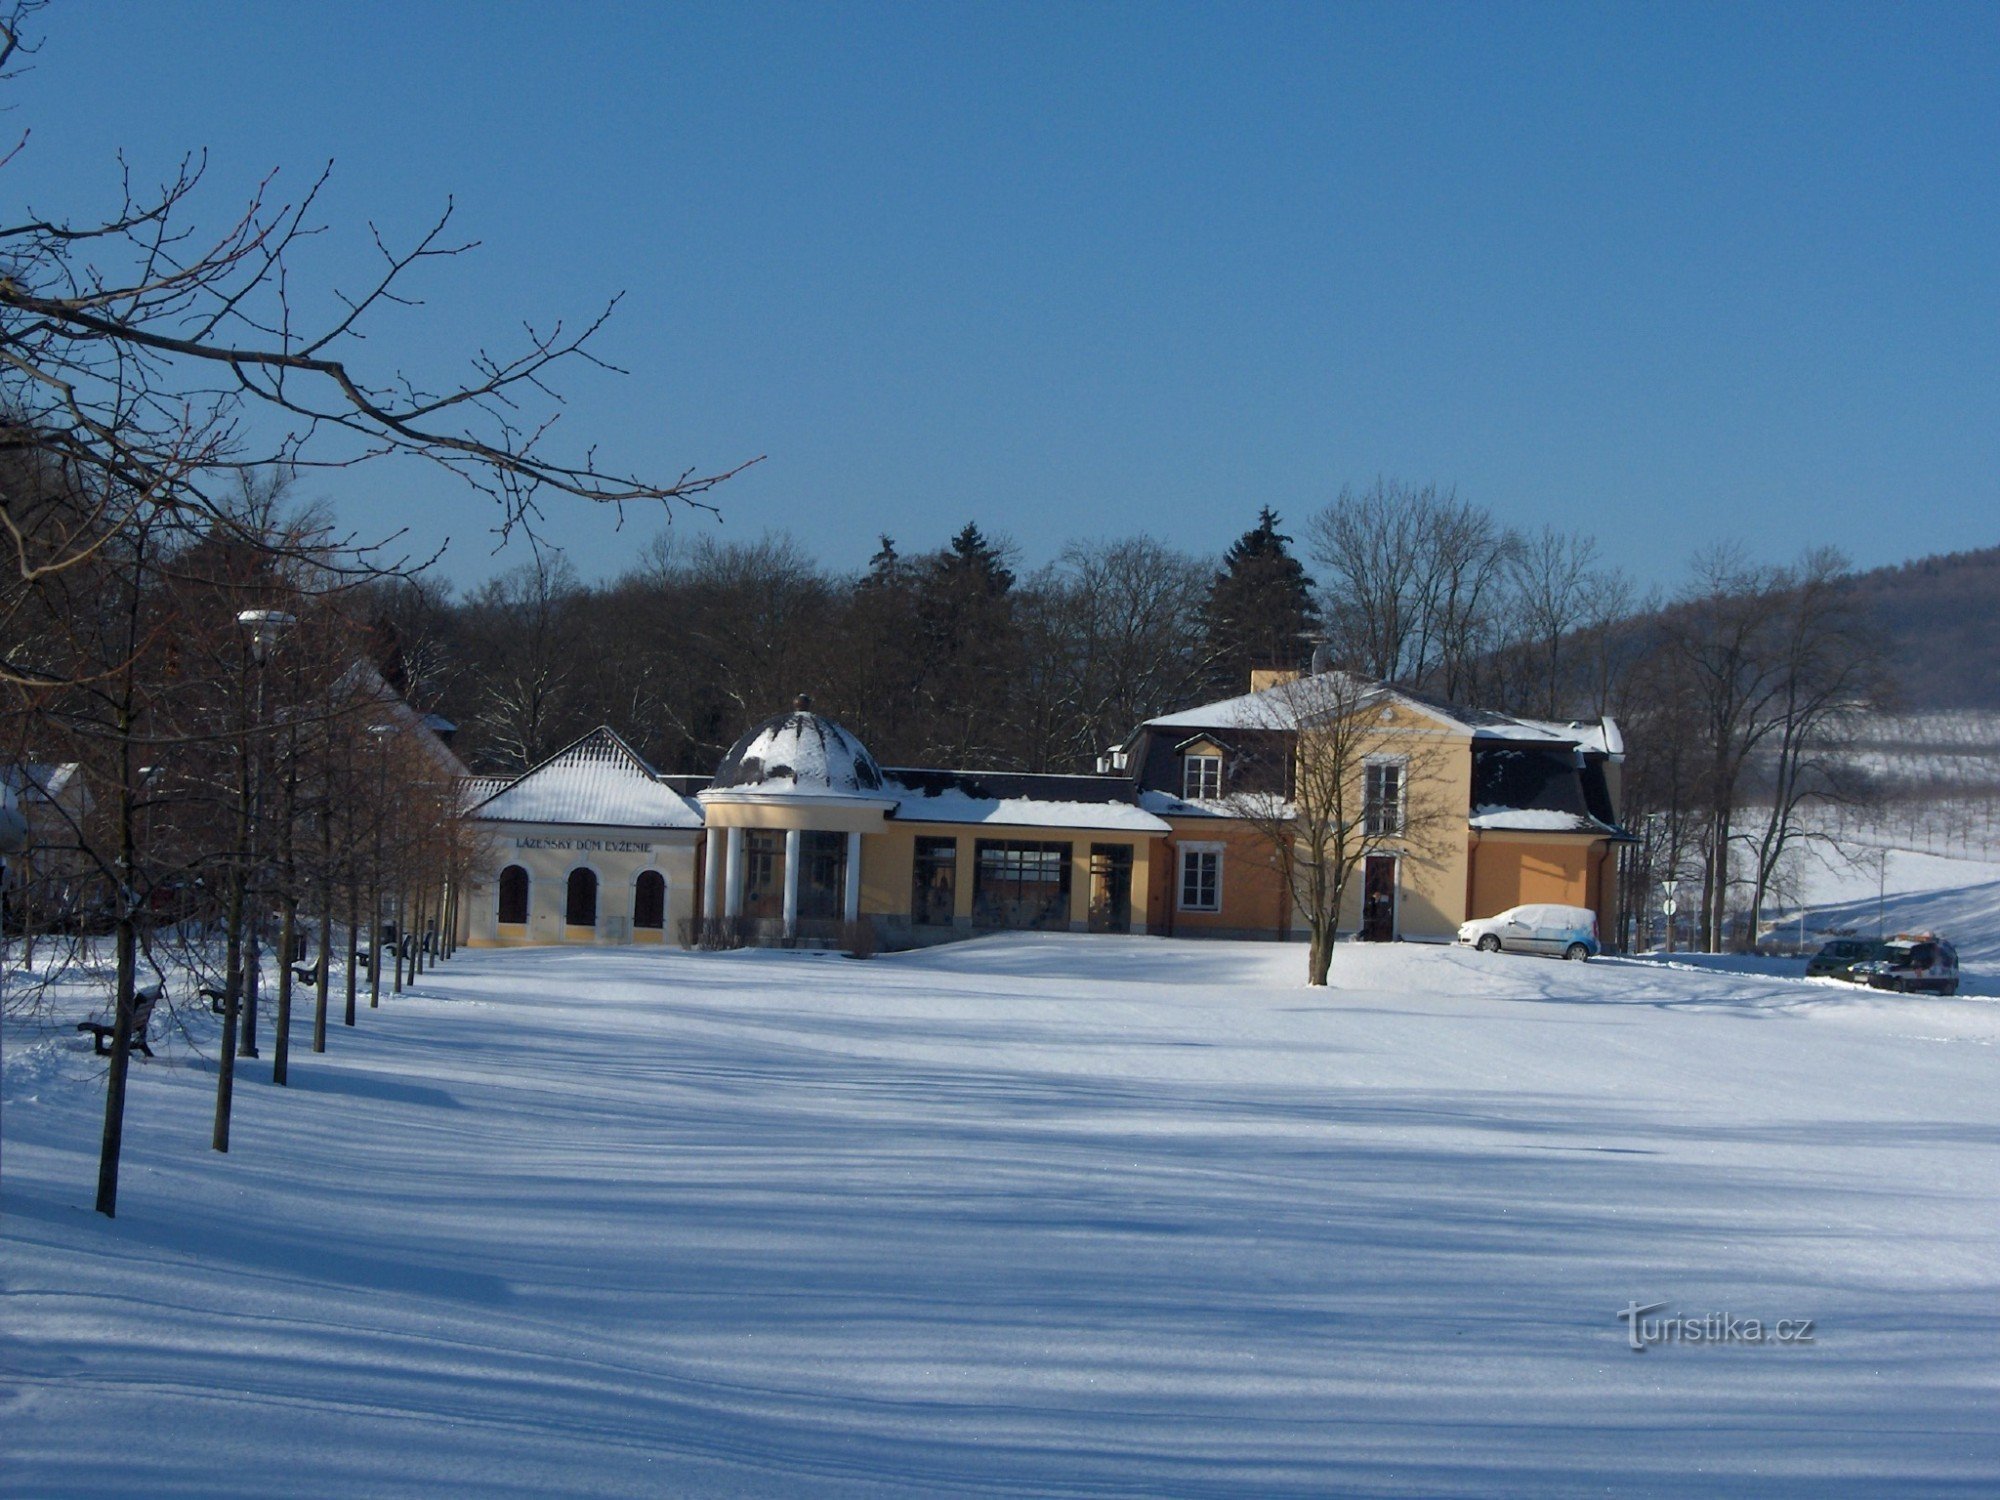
[
  {"x": 885, "y": 568},
  {"x": 977, "y": 564},
  {"x": 1260, "y": 608},
  {"x": 966, "y": 617}
]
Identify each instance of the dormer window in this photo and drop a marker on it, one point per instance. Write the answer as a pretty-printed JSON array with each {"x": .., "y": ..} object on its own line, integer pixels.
[{"x": 1201, "y": 777}]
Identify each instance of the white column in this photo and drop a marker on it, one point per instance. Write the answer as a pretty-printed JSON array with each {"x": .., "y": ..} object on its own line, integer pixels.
[
  {"x": 853, "y": 908},
  {"x": 711, "y": 875},
  {"x": 791, "y": 882},
  {"x": 732, "y": 900}
]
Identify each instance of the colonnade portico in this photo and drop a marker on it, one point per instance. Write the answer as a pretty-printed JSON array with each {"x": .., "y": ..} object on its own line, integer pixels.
[
  {"x": 802, "y": 777},
  {"x": 722, "y": 879}
]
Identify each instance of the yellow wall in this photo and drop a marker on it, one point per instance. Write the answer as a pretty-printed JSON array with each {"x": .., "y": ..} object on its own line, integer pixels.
[
  {"x": 822, "y": 817},
  {"x": 1431, "y": 856},
  {"x": 1518, "y": 869},
  {"x": 888, "y": 857},
  {"x": 548, "y": 853},
  {"x": 1254, "y": 899}
]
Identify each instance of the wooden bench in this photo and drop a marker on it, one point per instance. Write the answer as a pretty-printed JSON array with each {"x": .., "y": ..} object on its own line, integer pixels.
[
  {"x": 103, "y": 1033},
  {"x": 308, "y": 974}
]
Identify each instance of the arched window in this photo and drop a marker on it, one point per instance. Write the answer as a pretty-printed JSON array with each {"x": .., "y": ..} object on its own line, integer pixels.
[
  {"x": 649, "y": 900},
  {"x": 514, "y": 894},
  {"x": 582, "y": 909}
]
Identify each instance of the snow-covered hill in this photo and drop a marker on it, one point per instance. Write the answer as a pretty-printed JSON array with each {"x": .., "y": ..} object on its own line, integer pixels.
[
  {"x": 1031, "y": 1215},
  {"x": 1904, "y": 890}
]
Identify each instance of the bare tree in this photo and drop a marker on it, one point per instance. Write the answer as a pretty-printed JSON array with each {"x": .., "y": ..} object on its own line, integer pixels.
[
  {"x": 1358, "y": 783},
  {"x": 1414, "y": 577},
  {"x": 1553, "y": 575},
  {"x": 1831, "y": 670},
  {"x": 1720, "y": 631},
  {"x": 529, "y": 643},
  {"x": 150, "y": 361},
  {"x": 1117, "y": 628}
]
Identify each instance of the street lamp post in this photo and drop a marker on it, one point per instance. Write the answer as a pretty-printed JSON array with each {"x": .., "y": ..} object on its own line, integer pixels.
[
  {"x": 264, "y": 627},
  {"x": 13, "y": 840},
  {"x": 380, "y": 734}
]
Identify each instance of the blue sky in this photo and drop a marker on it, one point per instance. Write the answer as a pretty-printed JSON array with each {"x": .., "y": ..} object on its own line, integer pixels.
[{"x": 1665, "y": 274}]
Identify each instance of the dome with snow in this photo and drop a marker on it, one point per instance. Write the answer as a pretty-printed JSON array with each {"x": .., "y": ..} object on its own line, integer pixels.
[{"x": 800, "y": 753}]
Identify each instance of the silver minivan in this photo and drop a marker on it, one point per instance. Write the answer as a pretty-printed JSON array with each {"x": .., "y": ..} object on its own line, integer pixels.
[{"x": 1559, "y": 931}]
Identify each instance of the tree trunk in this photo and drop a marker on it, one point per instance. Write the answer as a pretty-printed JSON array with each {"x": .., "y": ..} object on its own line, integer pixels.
[
  {"x": 374, "y": 947},
  {"x": 113, "y": 1144},
  {"x": 232, "y": 986},
  {"x": 1320, "y": 959},
  {"x": 1718, "y": 926},
  {"x": 353, "y": 945},
  {"x": 325, "y": 966},
  {"x": 121, "y": 1061},
  {"x": 281, "y": 1050}
]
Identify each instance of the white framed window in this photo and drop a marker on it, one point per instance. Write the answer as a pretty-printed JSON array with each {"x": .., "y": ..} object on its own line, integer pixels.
[
  {"x": 1201, "y": 877},
  {"x": 1387, "y": 792},
  {"x": 1201, "y": 777}
]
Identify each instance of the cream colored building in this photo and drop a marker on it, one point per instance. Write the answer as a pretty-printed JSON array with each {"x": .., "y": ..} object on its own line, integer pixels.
[{"x": 591, "y": 846}]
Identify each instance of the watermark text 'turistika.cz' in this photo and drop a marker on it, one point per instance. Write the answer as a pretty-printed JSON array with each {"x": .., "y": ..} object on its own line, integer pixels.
[{"x": 1643, "y": 1332}]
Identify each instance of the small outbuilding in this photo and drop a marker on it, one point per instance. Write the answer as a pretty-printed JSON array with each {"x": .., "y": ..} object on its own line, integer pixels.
[{"x": 591, "y": 846}]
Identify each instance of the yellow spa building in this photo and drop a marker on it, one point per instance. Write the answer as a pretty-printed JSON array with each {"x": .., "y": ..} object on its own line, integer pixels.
[{"x": 802, "y": 838}]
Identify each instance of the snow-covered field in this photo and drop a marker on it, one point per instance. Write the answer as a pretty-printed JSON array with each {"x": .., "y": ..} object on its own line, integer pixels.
[{"x": 1032, "y": 1215}]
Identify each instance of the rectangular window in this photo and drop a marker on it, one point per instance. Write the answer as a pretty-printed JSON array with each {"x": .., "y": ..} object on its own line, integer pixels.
[
  {"x": 763, "y": 873},
  {"x": 1018, "y": 883},
  {"x": 1385, "y": 797},
  {"x": 1201, "y": 877},
  {"x": 822, "y": 876},
  {"x": 1201, "y": 777},
  {"x": 934, "y": 883}
]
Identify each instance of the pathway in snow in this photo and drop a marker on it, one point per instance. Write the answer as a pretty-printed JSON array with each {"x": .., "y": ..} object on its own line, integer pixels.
[{"x": 1030, "y": 1215}]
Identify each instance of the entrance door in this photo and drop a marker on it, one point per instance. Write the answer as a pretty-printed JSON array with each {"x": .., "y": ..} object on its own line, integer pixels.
[
  {"x": 1378, "y": 899},
  {"x": 1110, "y": 887}
]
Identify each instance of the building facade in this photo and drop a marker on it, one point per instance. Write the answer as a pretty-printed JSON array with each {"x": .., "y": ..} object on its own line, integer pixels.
[
  {"x": 591, "y": 846},
  {"x": 801, "y": 836}
]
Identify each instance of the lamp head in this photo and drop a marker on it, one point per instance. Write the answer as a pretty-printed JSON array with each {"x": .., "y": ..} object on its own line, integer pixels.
[{"x": 265, "y": 626}]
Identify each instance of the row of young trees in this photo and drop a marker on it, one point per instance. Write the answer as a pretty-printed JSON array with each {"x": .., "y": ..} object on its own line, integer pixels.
[
  {"x": 244, "y": 784},
  {"x": 156, "y": 380}
]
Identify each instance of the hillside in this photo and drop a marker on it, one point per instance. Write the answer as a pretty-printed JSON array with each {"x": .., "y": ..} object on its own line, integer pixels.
[{"x": 1940, "y": 616}]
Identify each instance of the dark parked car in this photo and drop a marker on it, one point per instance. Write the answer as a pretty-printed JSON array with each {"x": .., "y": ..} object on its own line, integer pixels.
[
  {"x": 1838, "y": 958},
  {"x": 1913, "y": 962}
]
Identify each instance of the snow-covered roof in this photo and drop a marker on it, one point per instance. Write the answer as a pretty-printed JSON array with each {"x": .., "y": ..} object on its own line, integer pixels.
[
  {"x": 599, "y": 781},
  {"x": 474, "y": 790},
  {"x": 1236, "y": 805},
  {"x": 954, "y": 805},
  {"x": 363, "y": 680},
  {"x": 41, "y": 781},
  {"x": 797, "y": 754},
  {"x": 1285, "y": 705},
  {"x": 1268, "y": 709},
  {"x": 1534, "y": 819},
  {"x": 1600, "y": 735}
]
